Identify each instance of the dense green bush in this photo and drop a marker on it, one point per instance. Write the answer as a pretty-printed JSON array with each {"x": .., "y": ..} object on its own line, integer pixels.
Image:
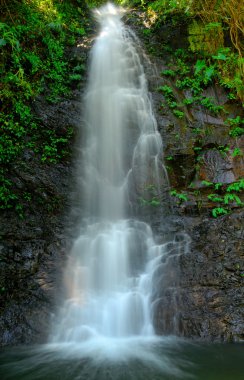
[
  {"x": 215, "y": 30},
  {"x": 34, "y": 37}
]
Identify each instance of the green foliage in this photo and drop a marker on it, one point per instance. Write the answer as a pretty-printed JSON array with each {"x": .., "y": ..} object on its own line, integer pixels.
[
  {"x": 167, "y": 91},
  {"x": 198, "y": 77},
  {"x": 237, "y": 152},
  {"x": 11, "y": 142},
  {"x": 204, "y": 71},
  {"x": 178, "y": 114},
  {"x": 183, "y": 68},
  {"x": 165, "y": 8},
  {"x": 218, "y": 185},
  {"x": 147, "y": 32},
  {"x": 209, "y": 104},
  {"x": 7, "y": 196},
  {"x": 208, "y": 25},
  {"x": 236, "y": 186},
  {"x": 234, "y": 122},
  {"x": 229, "y": 198},
  {"x": 169, "y": 73},
  {"x": 226, "y": 198},
  {"x": 155, "y": 202},
  {"x": 34, "y": 35},
  {"x": 207, "y": 183},
  {"x": 189, "y": 83},
  {"x": 188, "y": 101},
  {"x": 169, "y": 95},
  {"x": 186, "y": 74},
  {"x": 55, "y": 149},
  {"x": 218, "y": 211},
  {"x": 170, "y": 100},
  {"x": 231, "y": 72},
  {"x": 236, "y": 130},
  {"x": 180, "y": 196},
  {"x": 215, "y": 198},
  {"x": 212, "y": 63}
]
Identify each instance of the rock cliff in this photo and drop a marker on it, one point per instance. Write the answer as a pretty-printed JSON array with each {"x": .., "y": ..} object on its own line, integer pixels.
[{"x": 203, "y": 296}]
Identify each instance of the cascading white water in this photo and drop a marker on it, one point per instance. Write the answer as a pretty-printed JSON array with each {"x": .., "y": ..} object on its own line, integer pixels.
[
  {"x": 115, "y": 269},
  {"x": 121, "y": 129},
  {"x": 112, "y": 263}
]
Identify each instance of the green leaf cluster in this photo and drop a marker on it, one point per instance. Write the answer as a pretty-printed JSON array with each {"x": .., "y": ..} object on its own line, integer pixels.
[
  {"x": 180, "y": 196},
  {"x": 171, "y": 100},
  {"x": 34, "y": 37},
  {"x": 209, "y": 23},
  {"x": 227, "y": 196},
  {"x": 237, "y": 126},
  {"x": 224, "y": 198}
]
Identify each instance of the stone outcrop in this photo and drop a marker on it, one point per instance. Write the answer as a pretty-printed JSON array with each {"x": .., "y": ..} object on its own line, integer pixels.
[
  {"x": 203, "y": 298},
  {"x": 202, "y": 295},
  {"x": 31, "y": 254},
  {"x": 200, "y": 290},
  {"x": 33, "y": 243}
]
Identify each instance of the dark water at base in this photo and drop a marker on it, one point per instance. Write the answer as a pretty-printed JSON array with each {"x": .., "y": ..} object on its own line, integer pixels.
[{"x": 177, "y": 360}]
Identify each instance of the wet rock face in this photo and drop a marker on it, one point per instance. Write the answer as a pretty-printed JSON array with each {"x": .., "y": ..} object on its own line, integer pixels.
[
  {"x": 211, "y": 281},
  {"x": 32, "y": 255},
  {"x": 28, "y": 271},
  {"x": 200, "y": 293},
  {"x": 61, "y": 116},
  {"x": 216, "y": 168},
  {"x": 206, "y": 303},
  {"x": 33, "y": 244},
  {"x": 202, "y": 296}
]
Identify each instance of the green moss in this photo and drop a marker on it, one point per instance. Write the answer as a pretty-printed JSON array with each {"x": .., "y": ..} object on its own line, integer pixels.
[{"x": 205, "y": 38}]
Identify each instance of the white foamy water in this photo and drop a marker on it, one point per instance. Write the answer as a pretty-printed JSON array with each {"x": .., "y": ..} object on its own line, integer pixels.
[{"x": 112, "y": 263}]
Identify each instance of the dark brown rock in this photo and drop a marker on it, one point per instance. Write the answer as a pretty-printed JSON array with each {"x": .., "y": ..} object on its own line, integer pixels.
[
  {"x": 207, "y": 301},
  {"x": 198, "y": 292}
]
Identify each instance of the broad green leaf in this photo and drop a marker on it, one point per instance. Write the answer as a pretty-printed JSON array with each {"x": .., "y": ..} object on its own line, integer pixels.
[{"x": 199, "y": 66}]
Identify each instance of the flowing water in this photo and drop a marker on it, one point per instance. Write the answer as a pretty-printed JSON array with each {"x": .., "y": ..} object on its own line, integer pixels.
[
  {"x": 104, "y": 327},
  {"x": 111, "y": 265}
]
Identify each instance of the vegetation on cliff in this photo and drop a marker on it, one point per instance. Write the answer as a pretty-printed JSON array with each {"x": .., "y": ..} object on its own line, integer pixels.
[
  {"x": 36, "y": 36},
  {"x": 203, "y": 76}
]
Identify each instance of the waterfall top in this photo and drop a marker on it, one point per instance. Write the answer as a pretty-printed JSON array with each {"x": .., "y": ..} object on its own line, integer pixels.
[{"x": 107, "y": 11}]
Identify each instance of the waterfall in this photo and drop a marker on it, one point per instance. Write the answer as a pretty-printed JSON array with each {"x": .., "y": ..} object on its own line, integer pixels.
[
  {"x": 112, "y": 264},
  {"x": 121, "y": 280},
  {"x": 123, "y": 145}
]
